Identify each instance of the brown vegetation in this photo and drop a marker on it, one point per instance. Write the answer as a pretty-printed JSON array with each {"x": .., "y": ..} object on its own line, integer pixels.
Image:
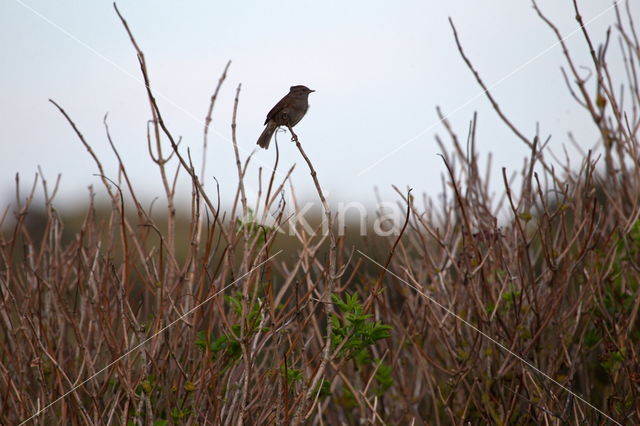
[{"x": 456, "y": 320}]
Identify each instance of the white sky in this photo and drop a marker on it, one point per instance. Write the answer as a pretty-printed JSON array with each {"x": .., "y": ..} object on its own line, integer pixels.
[{"x": 378, "y": 70}]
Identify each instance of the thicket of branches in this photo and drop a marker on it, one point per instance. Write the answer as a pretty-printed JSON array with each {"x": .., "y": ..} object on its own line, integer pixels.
[{"x": 456, "y": 320}]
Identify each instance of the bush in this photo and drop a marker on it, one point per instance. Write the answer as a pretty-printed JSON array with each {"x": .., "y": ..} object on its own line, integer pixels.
[{"x": 123, "y": 319}]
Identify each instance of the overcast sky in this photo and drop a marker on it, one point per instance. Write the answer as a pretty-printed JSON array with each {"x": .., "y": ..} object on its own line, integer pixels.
[{"x": 379, "y": 70}]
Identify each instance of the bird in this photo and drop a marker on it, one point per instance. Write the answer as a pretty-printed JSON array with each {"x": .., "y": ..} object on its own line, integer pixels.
[{"x": 287, "y": 112}]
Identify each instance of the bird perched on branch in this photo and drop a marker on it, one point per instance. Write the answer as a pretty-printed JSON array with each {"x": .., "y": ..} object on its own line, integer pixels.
[{"x": 288, "y": 112}]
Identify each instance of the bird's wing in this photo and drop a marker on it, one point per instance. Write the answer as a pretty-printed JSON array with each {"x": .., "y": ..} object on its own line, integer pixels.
[{"x": 276, "y": 109}]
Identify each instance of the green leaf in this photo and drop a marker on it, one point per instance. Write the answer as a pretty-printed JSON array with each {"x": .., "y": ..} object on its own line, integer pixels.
[
  {"x": 324, "y": 388},
  {"x": 357, "y": 327},
  {"x": 293, "y": 375},
  {"x": 383, "y": 378}
]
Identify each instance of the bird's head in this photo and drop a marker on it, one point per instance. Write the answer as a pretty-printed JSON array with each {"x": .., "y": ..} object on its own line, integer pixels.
[{"x": 300, "y": 90}]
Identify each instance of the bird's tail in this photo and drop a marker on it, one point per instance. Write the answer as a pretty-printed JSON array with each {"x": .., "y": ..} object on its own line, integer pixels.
[{"x": 266, "y": 135}]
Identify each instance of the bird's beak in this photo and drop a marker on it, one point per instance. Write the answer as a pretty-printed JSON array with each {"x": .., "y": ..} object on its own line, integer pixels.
[{"x": 310, "y": 90}]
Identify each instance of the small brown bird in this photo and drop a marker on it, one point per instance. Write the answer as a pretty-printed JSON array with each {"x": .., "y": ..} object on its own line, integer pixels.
[{"x": 288, "y": 112}]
